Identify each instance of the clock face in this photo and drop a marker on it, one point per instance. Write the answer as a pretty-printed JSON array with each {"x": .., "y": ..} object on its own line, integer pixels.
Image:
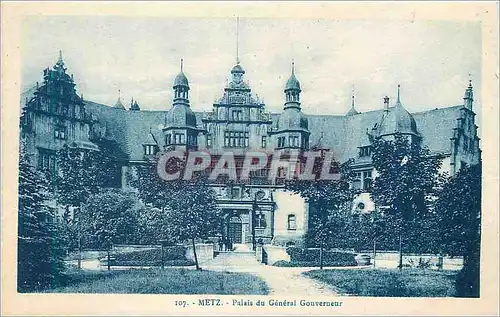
[{"x": 260, "y": 195}]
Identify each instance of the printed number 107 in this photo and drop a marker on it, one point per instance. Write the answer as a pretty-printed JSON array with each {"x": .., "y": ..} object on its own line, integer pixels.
[{"x": 182, "y": 303}]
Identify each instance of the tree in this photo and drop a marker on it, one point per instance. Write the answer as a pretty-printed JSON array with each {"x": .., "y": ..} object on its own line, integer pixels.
[
  {"x": 329, "y": 202},
  {"x": 110, "y": 217},
  {"x": 403, "y": 190},
  {"x": 189, "y": 208},
  {"x": 80, "y": 174},
  {"x": 40, "y": 253},
  {"x": 459, "y": 222}
]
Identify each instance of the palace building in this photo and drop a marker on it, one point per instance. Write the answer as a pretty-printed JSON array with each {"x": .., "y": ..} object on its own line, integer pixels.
[{"x": 53, "y": 114}]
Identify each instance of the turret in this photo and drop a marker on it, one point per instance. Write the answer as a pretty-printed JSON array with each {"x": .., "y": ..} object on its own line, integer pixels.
[
  {"x": 292, "y": 130},
  {"x": 469, "y": 96}
]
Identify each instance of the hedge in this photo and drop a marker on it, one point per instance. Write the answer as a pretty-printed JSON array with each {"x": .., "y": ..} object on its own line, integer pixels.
[
  {"x": 177, "y": 252},
  {"x": 183, "y": 262},
  {"x": 311, "y": 257}
]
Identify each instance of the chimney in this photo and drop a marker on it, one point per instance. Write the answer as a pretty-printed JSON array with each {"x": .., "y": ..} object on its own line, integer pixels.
[{"x": 386, "y": 103}]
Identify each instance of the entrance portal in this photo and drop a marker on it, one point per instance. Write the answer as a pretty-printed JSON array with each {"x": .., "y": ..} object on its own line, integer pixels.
[{"x": 234, "y": 229}]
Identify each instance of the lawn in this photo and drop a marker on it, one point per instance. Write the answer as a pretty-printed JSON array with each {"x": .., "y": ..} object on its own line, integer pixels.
[
  {"x": 168, "y": 281},
  {"x": 389, "y": 282}
]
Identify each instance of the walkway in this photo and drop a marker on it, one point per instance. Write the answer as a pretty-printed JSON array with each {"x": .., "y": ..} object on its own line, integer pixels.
[{"x": 281, "y": 280}]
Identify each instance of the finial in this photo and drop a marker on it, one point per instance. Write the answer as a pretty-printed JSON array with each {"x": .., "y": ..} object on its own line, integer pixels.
[
  {"x": 60, "y": 60},
  {"x": 293, "y": 66},
  {"x": 399, "y": 88},
  {"x": 182, "y": 64},
  {"x": 470, "y": 80},
  {"x": 352, "y": 103},
  {"x": 119, "y": 94},
  {"x": 238, "y": 40}
]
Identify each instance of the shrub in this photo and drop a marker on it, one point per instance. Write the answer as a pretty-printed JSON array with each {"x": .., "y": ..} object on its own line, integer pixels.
[
  {"x": 421, "y": 264},
  {"x": 176, "y": 252},
  {"x": 311, "y": 257}
]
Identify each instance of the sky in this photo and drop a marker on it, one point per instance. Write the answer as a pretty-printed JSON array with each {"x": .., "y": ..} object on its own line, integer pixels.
[{"x": 140, "y": 56}]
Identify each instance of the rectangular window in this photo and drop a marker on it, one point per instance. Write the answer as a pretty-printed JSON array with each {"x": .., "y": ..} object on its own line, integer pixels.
[
  {"x": 365, "y": 151},
  {"x": 149, "y": 150},
  {"x": 237, "y": 115},
  {"x": 168, "y": 139},
  {"x": 367, "y": 180},
  {"x": 60, "y": 132},
  {"x": 281, "y": 141},
  {"x": 293, "y": 141},
  {"x": 179, "y": 138},
  {"x": 264, "y": 142},
  {"x": 46, "y": 160},
  {"x": 209, "y": 140},
  {"x": 235, "y": 139},
  {"x": 291, "y": 222}
]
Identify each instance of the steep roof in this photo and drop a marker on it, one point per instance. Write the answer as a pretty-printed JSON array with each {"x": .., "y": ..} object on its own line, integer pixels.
[{"x": 342, "y": 134}]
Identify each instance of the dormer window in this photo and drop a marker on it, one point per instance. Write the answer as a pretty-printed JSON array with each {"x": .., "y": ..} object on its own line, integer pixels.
[
  {"x": 281, "y": 141},
  {"x": 365, "y": 151},
  {"x": 150, "y": 149},
  {"x": 293, "y": 141}
]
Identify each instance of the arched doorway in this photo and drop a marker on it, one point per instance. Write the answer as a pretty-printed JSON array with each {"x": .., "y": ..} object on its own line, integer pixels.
[{"x": 234, "y": 229}]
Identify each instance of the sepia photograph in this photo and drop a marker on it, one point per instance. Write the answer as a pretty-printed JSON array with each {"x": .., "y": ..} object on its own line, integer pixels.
[{"x": 250, "y": 162}]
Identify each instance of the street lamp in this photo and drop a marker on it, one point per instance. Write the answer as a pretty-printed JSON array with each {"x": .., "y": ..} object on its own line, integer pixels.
[{"x": 254, "y": 208}]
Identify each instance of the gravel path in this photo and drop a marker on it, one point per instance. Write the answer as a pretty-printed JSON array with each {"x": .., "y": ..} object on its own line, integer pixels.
[{"x": 281, "y": 280}]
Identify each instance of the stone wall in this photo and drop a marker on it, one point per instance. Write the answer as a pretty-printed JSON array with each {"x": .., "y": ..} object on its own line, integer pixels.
[
  {"x": 204, "y": 252},
  {"x": 275, "y": 254}
]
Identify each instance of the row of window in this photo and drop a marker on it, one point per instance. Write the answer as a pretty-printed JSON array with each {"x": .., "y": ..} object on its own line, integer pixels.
[
  {"x": 293, "y": 141},
  {"x": 235, "y": 139},
  {"x": 238, "y": 139},
  {"x": 180, "y": 138},
  {"x": 73, "y": 111},
  {"x": 365, "y": 151}
]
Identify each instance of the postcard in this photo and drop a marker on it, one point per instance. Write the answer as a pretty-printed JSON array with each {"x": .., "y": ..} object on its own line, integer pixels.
[{"x": 248, "y": 158}]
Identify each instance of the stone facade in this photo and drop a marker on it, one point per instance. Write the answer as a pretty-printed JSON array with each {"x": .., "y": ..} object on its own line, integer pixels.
[{"x": 239, "y": 122}]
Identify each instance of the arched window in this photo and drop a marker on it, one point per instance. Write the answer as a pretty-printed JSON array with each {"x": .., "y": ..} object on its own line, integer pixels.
[{"x": 291, "y": 222}]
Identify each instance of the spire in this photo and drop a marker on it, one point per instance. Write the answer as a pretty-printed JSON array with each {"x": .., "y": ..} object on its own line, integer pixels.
[
  {"x": 352, "y": 103},
  {"x": 182, "y": 64},
  {"x": 469, "y": 95},
  {"x": 293, "y": 66},
  {"x": 237, "y": 40},
  {"x": 118, "y": 103},
  {"x": 60, "y": 60},
  {"x": 398, "y": 100},
  {"x": 352, "y": 111}
]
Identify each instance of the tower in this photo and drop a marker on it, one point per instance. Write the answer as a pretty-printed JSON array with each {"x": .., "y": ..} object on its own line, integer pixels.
[
  {"x": 292, "y": 130},
  {"x": 180, "y": 123},
  {"x": 396, "y": 120}
]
